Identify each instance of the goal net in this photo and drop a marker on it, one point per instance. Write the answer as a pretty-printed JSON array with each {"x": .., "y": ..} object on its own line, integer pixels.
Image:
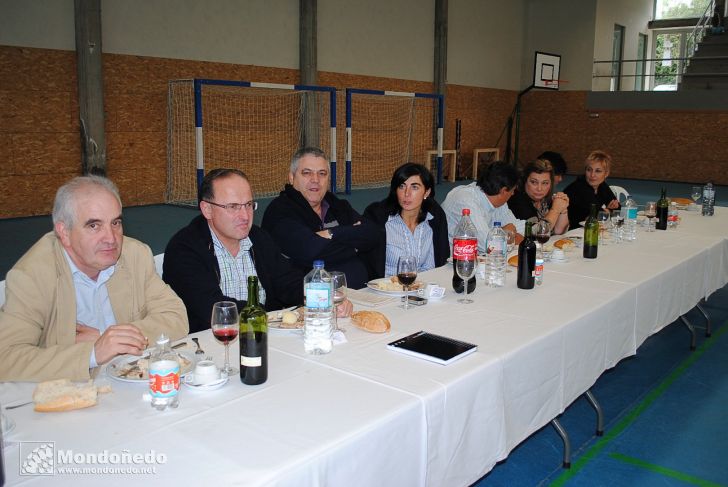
[
  {"x": 387, "y": 129},
  {"x": 252, "y": 127}
]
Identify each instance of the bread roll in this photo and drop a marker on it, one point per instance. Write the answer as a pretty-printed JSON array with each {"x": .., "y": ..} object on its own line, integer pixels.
[
  {"x": 564, "y": 244},
  {"x": 63, "y": 395},
  {"x": 513, "y": 260},
  {"x": 371, "y": 321}
]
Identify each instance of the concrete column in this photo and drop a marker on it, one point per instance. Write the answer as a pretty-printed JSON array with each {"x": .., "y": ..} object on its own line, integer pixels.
[
  {"x": 309, "y": 71},
  {"x": 90, "y": 85}
]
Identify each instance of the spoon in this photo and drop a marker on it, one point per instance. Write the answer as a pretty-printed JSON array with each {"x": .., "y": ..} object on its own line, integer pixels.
[{"x": 199, "y": 350}]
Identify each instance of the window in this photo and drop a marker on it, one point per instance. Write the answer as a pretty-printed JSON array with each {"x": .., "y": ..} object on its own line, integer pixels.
[
  {"x": 669, "y": 47},
  {"x": 617, "y": 50},
  {"x": 680, "y": 9},
  {"x": 639, "y": 79}
]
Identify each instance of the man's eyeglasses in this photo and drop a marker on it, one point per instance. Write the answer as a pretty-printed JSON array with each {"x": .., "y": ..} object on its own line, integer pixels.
[{"x": 236, "y": 207}]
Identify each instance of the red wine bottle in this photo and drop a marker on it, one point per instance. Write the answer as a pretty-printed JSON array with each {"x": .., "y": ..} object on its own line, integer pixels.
[
  {"x": 526, "y": 260},
  {"x": 591, "y": 234},
  {"x": 662, "y": 210},
  {"x": 253, "y": 338}
]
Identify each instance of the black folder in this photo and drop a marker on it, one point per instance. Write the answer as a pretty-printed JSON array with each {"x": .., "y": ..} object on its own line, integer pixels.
[{"x": 435, "y": 348}]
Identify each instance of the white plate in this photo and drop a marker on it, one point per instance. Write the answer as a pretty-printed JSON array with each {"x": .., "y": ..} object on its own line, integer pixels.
[
  {"x": 114, "y": 367},
  {"x": 374, "y": 286},
  {"x": 6, "y": 424},
  {"x": 559, "y": 261},
  {"x": 189, "y": 381}
]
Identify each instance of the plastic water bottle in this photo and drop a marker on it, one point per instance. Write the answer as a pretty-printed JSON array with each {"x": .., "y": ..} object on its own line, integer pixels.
[
  {"x": 672, "y": 216},
  {"x": 630, "y": 220},
  {"x": 538, "y": 270},
  {"x": 318, "y": 313},
  {"x": 164, "y": 376},
  {"x": 495, "y": 258},
  {"x": 708, "y": 200}
]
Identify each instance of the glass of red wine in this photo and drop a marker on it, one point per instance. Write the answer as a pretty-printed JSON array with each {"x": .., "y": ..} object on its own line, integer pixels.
[
  {"x": 542, "y": 232},
  {"x": 225, "y": 327},
  {"x": 406, "y": 275}
]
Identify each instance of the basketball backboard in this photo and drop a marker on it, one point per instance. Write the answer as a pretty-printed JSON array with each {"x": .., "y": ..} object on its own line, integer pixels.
[{"x": 546, "y": 71}]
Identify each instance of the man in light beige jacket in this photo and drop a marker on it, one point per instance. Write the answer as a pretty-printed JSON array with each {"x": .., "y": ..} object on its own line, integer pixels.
[{"x": 84, "y": 293}]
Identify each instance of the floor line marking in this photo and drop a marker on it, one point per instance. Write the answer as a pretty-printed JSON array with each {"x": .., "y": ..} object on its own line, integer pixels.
[
  {"x": 668, "y": 472},
  {"x": 632, "y": 415}
]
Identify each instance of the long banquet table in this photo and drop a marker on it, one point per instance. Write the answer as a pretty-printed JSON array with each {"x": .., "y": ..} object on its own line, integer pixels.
[{"x": 364, "y": 415}]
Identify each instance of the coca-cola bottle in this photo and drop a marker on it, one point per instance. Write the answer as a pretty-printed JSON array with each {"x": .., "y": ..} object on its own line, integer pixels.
[{"x": 464, "y": 247}]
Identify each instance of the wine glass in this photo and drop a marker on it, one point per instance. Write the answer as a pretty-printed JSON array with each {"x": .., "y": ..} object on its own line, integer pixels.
[
  {"x": 465, "y": 270},
  {"x": 650, "y": 213},
  {"x": 617, "y": 224},
  {"x": 225, "y": 327},
  {"x": 510, "y": 243},
  {"x": 697, "y": 192},
  {"x": 604, "y": 219},
  {"x": 542, "y": 231},
  {"x": 338, "y": 284},
  {"x": 406, "y": 274}
]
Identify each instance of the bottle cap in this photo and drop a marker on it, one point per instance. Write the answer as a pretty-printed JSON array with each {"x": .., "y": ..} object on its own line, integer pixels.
[
  {"x": 466, "y": 211},
  {"x": 496, "y": 224},
  {"x": 318, "y": 263}
]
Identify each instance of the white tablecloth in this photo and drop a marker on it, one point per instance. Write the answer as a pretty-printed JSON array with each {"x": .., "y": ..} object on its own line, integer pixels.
[{"x": 364, "y": 415}]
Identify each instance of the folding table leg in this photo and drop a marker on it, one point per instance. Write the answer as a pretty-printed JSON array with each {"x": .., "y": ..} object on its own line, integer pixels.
[
  {"x": 708, "y": 326},
  {"x": 567, "y": 443},
  {"x": 600, "y": 414},
  {"x": 691, "y": 329}
]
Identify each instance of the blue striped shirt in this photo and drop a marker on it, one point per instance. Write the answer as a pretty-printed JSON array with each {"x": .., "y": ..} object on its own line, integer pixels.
[{"x": 402, "y": 241}]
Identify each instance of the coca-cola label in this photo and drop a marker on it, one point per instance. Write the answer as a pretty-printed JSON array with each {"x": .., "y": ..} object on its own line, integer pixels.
[{"x": 464, "y": 249}]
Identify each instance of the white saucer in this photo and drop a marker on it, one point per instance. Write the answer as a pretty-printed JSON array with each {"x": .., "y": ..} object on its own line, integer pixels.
[
  {"x": 189, "y": 381},
  {"x": 559, "y": 261}
]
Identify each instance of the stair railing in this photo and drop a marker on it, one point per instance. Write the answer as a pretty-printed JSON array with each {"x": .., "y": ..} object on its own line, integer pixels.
[{"x": 698, "y": 32}]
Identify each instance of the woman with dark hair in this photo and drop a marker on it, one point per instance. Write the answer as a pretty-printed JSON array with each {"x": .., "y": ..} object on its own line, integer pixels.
[
  {"x": 414, "y": 223},
  {"x": 534, "y": 197}
]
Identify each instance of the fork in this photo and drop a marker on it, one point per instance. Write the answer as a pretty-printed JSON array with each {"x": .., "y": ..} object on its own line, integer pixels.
[
  {"x": 18, "y": 405},
  {"x": 199, "y": 350}
]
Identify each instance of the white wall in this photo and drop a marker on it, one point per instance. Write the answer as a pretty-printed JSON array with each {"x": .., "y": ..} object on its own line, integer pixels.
[
  {"x": 634, "y": 16},
  {"x": 485, "y": 43},
  {"x": 388, "y": 38},
  {"x": 566, "y": 28},
  {"x": 257, "y": 32},
  {"x": 45, "y": 24}
]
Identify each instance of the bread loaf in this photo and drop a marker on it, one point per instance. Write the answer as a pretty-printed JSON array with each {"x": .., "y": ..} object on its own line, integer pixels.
[
  {"x": 371, "y": 321},
  {"x": 63, "y": 395}
]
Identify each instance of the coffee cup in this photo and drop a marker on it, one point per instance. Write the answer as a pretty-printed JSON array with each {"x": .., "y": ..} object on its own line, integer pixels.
[
  {"x": 558, "y": 254},
  {"x": 206, "y": 372}
]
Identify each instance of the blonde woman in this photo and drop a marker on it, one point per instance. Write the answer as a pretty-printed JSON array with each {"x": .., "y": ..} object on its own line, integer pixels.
[{"x": 592, "y": 188}]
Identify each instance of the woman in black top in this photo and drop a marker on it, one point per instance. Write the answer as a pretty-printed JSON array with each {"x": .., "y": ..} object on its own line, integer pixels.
[
  {"x": 408, "y": 214},
  {"x": 535, "y": 200},
  {"x": 591, "y": 188}
]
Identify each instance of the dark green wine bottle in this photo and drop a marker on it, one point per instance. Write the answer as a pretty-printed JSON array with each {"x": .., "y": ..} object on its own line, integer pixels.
[
  {"x": 253, "y": 338},
  {"x": 591, "y": 234},
  {"x": 663, "y": 206}
]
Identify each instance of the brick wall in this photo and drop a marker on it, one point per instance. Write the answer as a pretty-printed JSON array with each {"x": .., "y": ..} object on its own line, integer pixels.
[{"x": 40, "y": 143}]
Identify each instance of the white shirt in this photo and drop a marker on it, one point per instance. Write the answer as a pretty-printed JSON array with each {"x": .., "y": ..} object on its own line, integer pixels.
[
  {"x": 402, "y": 241},
  {"x": 93, "y": 306},
  {"x": 482, "y": 212}
]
